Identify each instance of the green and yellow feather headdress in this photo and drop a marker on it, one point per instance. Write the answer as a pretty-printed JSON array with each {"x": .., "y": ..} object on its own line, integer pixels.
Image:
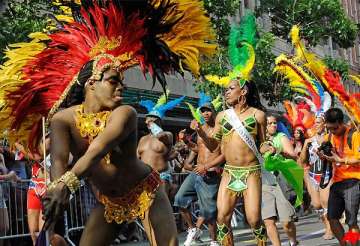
[{"x": 242, "y": 42}]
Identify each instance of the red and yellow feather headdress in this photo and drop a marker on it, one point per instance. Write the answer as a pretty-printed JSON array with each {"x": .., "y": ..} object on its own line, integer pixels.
[{"x": 160, "y": 36}]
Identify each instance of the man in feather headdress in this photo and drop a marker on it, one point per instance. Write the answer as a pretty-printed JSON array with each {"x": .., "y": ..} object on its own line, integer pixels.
[{"x": 80, "y": 68}]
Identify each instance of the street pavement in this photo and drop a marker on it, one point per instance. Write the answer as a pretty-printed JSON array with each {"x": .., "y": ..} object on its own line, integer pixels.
[{"x": 309, "y": 233}]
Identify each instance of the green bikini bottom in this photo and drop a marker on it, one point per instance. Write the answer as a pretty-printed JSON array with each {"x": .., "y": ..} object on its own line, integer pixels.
[{"x": 239, "y": 176}]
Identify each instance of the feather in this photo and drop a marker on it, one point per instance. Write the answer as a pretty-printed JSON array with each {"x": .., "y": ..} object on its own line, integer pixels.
[
  {"x": 282, "y": 128},
  {"x": 326, "y": 105},
  {"x": 217, "y": 102},
  {"x": 162, "y": 99},
  {"x": 203, "y": 99},
  {"x": 148, "y": 104},
  {"x": 196, "y": 114},
  {"x": 309, "y": 102},
  {"x": 169, "y": 105},
  {"x": 356, "y": 78},
  {"x": 221, "y": 81}
]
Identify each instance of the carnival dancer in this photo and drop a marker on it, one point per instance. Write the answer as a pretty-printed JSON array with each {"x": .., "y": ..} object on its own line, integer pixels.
[
  {"x": 238, "y": 130},
  {"x": 274, "y": 204},
  {"x": 202, "y": 183},
  {"x": 82, "y": 64}
]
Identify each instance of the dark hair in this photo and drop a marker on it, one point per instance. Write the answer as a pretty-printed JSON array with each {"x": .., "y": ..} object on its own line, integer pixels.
[
  {"x": 76, "y": 94},
  {"x": 302, "y": 136},
  {"x": 252, "y": 96},
  {"x": 334, "y": 115}
]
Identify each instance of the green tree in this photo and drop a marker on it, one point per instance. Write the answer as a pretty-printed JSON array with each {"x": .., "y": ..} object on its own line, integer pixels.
[
  {"x": 319, "y": 20},
  {"x": 339, "y": 65},
  {"x": 20, "y": 18}
]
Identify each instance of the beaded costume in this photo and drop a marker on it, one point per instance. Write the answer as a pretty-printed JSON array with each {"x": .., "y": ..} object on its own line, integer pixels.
[{"x": 137, "y": 201}]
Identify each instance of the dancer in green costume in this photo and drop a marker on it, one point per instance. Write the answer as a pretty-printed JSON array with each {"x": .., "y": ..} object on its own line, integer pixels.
[{"x": 279, "y": 156}]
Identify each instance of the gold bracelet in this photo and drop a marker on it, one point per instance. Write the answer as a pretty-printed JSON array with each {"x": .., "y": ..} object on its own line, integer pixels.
[{"x": 71, "y": 181}]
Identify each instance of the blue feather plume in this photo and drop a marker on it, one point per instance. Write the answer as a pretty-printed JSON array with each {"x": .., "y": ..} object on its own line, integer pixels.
[
  {"x": 203, "y": 99},
  {"x": 148, "y": 104},
  {"x": 282, "y": 128}
]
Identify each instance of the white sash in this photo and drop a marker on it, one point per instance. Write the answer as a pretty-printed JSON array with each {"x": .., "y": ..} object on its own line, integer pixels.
[{"x": 235, "y": 122}]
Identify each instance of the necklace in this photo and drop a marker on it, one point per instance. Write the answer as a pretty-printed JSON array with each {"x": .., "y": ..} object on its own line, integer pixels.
[{"x": 90, "y": 125}]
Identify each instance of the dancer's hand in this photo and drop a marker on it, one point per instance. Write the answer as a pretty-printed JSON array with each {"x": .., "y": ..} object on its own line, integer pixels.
[
  {"x": 200, "y": 169},
  {"x": 194, "y": 125},
  {"x": 54, "y": 203},
  {"x": 334, "y": 157}
]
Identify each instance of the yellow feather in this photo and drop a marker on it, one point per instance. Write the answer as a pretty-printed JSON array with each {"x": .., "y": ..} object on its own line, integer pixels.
[
  {"x": 11, "y": 78},
  {"x": 356, "y": 78},
  {"x": 192, "y": 36},
  {"x": 222, "y": 81}
]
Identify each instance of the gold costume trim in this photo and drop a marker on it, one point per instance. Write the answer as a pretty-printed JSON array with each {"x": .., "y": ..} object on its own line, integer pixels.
[{"x": 134, "y": 203}]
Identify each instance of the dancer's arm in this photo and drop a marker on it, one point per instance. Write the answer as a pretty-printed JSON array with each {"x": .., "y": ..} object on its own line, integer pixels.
[
  {"x": 121, "y": 124},
  {"x": 60, "y": 145},
  {"x": 210, "y": 142}
]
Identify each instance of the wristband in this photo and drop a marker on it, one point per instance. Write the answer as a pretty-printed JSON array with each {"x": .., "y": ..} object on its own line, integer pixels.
[{"x": 69, "y": 179}]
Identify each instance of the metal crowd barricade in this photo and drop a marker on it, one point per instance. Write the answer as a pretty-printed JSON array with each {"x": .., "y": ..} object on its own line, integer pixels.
[
  {"x": 13, "y": 207},
  {"x": 80, "y": 206}
]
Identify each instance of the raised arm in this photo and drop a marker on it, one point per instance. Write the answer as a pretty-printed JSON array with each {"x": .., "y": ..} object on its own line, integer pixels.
[
  {"x": 288, "y": 149},
  {"x": 121, "y": 124},
  {"x": 304, "y": 155},
  {"x": 166, "y": 138},
  {"x": 211, "y": 142}
]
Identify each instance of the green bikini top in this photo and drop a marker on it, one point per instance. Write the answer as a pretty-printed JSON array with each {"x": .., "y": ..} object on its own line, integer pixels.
[{"x": 226, "y": 129}]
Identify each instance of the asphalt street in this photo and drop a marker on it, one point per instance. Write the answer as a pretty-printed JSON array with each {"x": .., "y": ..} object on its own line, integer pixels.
[{"x": 309, "y": 233}]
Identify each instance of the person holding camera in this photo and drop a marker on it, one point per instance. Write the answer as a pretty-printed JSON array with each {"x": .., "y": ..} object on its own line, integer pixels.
[{"x": 345, "y": 157}]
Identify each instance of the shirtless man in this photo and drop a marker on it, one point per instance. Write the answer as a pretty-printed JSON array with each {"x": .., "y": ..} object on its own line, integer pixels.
[
  {"x": 202, "y": 184},
  {"x": 110, "y": 163}
]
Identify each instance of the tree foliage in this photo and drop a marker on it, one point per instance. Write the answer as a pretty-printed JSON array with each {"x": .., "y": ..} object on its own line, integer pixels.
[
  {"x": 20, "y": 18},
  {"x": 269, "y": 85},
  {"x": 339, "y": 65},
  {"x": 319, "y": 19}
]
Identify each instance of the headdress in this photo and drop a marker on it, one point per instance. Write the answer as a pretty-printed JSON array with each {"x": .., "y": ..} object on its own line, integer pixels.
[
  {"x": 315, "y": 96},
  {"x": 299, "y": 115},
  {"x": 204, "y": 101},
  {"x": 162, "y": 105},
  {"x": 160, "y": 36},
  {"x": 242, "y": 42},
  {"x": 330, "y": 79}
]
